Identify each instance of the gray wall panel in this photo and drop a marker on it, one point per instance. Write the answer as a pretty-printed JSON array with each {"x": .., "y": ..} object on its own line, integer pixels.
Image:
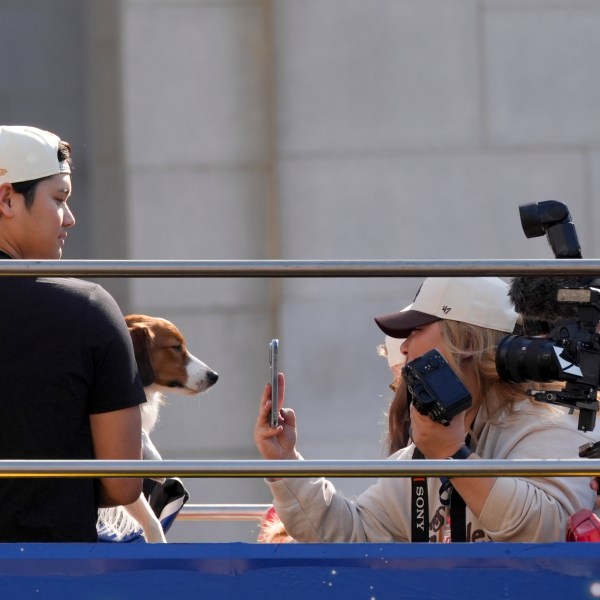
[
  {"x": 543, "y": 76},
  {"x": 298, "y": 129},
  {"x": 350, "y": 79}
]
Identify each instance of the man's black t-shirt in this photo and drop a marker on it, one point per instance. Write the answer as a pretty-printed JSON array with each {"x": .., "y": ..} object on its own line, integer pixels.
[{"x": 65, "y": 353}]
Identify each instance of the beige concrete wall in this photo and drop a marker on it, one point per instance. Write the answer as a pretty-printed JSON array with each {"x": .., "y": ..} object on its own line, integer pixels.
[{"x": 341, "y": 129}]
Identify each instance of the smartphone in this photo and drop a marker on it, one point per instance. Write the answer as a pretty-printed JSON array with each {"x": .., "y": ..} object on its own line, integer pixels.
[{"x": 273, "y": 351}]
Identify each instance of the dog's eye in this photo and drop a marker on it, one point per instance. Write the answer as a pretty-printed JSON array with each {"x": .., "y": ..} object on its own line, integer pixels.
[{"x": 177, "y": 348}]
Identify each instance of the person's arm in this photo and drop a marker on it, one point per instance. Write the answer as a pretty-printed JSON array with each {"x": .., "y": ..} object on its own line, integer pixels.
[
  {"x": 311, "y": 509},
  {"x": 116, "y": 435},
  {"x": 276, "y": 442}
]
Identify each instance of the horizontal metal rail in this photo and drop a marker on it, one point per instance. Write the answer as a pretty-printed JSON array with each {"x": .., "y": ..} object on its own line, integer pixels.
[
  {"x": 314, "y": 468},
  {"x": 295, "y": 468},
  {"x": 222, "y": 512},
  {"x": 299, "y": 268}
]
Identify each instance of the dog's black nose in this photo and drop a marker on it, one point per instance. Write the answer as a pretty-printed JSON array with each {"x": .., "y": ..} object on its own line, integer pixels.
[{"x": 212, "y": 376}]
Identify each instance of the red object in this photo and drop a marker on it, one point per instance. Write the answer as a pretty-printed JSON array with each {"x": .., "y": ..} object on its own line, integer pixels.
[{"x": 583, "y": 526}]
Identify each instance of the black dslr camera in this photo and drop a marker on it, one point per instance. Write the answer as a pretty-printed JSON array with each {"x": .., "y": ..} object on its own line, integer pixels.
[
  {"x": 435, "y": 388},
  {"x": 570, "y": 352}
]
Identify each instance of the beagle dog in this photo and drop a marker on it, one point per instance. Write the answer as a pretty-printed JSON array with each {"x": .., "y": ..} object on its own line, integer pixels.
[{"x": 165, "y": 365}]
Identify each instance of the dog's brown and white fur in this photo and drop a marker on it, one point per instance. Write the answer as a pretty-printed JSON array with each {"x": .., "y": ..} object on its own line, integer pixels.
[{"x": 165, "y": 365}]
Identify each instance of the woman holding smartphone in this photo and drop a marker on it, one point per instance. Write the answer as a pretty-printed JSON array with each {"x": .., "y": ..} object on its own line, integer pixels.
[{"x": 463, "y": 318}]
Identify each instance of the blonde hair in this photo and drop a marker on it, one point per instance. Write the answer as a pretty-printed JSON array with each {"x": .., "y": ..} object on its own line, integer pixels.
[{"x": 472, "y": 349}]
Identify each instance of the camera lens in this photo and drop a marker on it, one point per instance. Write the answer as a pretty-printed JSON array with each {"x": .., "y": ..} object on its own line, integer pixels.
[{"x": 520, "y": 358}]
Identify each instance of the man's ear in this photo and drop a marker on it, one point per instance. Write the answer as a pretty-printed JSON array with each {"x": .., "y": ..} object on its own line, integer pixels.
[{"x": 5, "y": 200}]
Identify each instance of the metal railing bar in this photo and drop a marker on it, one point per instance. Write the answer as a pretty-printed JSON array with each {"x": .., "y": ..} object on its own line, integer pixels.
[
  {"x": 299, "y": 268},
  {"x": 293, "y": 468},
  {"x": 222, "y": 512}
]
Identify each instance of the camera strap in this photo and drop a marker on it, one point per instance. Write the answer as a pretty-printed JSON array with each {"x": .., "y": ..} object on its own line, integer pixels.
[
  {"x": 450, "y": 498},
  {"x": 419, "y": 505},
  {"x": 457, "y": 509},
  {"x": 458, "y": 517}
]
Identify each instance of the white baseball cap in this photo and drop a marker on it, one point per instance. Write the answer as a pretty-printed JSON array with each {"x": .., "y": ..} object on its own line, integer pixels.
[
  {"x": 481, "y": 301},
  {"x": 28, "y": 153}
]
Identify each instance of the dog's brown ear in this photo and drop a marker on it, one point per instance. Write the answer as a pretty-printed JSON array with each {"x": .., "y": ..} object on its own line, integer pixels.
[{"x": 140, "y": 336}]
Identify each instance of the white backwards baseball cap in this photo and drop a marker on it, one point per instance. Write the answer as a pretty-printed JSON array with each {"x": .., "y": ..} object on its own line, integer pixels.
[
  {"x": 28, "y": 153},
  {"x": 481, "y": 301}
]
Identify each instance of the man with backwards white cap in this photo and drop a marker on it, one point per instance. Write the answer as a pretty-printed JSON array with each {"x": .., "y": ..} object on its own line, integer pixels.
[
  {"x": 464, "y": 318},
  {"x": 69, "y": 387}
]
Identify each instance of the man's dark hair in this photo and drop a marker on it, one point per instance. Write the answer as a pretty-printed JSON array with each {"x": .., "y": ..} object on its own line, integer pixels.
[{"x": 27, "y": 188}]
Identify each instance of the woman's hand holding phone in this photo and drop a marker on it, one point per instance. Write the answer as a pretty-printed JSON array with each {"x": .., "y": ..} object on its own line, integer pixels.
[{"x": 276, "y": 442}]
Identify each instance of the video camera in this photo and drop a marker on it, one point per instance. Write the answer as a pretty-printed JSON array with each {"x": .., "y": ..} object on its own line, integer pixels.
[{"x": 570, "y": 351}]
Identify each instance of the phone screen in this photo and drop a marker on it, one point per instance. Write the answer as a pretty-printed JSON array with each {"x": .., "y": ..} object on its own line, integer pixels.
[{"x": 273, "y": 351}]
